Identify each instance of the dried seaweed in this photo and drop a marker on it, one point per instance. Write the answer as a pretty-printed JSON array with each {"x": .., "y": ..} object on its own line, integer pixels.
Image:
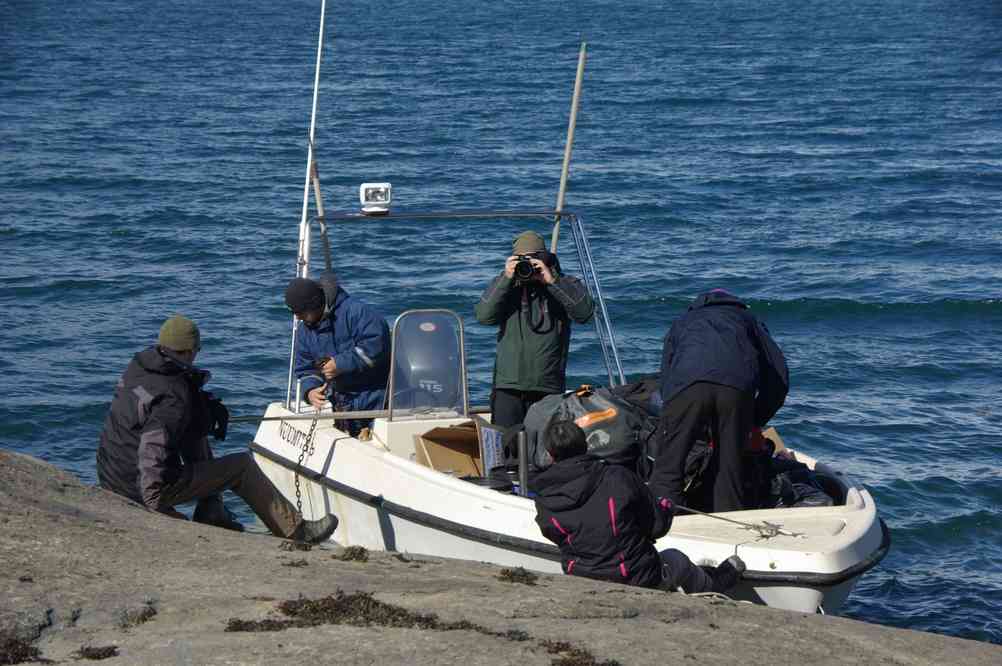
[{"x": 518, "y": 575}]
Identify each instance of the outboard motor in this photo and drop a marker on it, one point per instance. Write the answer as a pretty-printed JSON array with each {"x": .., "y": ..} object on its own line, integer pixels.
[{"x": 428, "y": 368}]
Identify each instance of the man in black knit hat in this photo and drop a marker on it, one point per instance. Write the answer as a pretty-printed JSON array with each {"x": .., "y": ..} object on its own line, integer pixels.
[
  {"x": 155, "y": 449},
  {"x": 342, "y": 354}
]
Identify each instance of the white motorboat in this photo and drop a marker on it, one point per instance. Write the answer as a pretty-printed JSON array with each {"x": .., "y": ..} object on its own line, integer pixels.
[
  {"x": 392, "y": 493},
  {"x": 388, "y": 498}
]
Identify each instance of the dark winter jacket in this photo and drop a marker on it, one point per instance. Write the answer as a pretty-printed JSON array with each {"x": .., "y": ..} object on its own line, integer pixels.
[
  {"x": 604, "y": 520},
  {"x": 158, "y": 419},
  {"x": 356, "y": 336},
  {"x": 719, "y": 341},
  {"x": 535, "y": 329}
]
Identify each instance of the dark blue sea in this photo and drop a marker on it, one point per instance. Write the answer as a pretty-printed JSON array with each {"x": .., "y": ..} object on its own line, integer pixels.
[{"x": 838, "y": 164}]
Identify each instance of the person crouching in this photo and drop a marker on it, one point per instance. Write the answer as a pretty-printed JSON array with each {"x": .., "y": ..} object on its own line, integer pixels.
[{"x": 605, "y": 521}]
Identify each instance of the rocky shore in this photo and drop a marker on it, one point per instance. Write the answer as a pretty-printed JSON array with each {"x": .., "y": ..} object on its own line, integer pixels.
[{"x": 88, "y": 575}]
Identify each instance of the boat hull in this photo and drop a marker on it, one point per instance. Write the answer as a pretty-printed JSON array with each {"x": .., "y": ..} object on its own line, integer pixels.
[{"x": 386, "y": 501}]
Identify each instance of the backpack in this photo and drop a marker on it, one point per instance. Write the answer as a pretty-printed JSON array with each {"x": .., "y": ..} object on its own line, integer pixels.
[{"x": 614, "y": 428}]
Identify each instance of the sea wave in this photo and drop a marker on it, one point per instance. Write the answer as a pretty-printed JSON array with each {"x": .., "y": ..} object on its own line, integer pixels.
[{"x": 838, "y": 308}]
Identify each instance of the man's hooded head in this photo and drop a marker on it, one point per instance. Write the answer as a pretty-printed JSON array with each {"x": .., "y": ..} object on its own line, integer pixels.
[{"x": 306, "y": 300}]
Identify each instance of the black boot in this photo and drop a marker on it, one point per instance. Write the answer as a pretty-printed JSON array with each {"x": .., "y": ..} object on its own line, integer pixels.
[
  {"x": 210, "y": 511},
  {"x": 315, "y": 531},
  {"x": 727, "y": 574}
]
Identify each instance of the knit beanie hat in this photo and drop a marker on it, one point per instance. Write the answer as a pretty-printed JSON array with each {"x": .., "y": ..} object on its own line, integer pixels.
[
  {"x": 180, "y": 334},
  {"x": 304, "y": 295},
  {"x": 528, "y": 242}
]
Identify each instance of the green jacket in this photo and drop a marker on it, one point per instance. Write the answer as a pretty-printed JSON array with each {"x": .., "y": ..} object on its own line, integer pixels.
[{"x": 535, "y": 329}]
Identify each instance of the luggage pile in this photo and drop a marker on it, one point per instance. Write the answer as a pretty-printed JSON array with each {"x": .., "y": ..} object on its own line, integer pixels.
[{"x": 621, "y": 424}]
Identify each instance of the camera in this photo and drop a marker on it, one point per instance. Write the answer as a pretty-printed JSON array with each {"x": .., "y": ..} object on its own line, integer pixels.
[{"x": 524, "y": 269}]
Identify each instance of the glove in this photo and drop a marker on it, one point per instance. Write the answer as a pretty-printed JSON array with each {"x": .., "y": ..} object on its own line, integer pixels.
[{"x": 219, "y": 417}]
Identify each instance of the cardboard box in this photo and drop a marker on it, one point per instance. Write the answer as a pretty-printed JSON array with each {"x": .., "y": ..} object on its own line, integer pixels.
[{"x": 454, "y": 450}]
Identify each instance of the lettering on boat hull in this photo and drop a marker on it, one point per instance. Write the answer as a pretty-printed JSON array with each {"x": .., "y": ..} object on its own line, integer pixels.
[{"x": 292, "y": 435}]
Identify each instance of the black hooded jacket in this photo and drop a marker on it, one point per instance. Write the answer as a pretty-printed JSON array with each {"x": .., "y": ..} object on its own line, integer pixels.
[
  {"x": 604, "y": 520},
  {"x": 157, "y": 420},
  {"x": 719, "y": 341}
]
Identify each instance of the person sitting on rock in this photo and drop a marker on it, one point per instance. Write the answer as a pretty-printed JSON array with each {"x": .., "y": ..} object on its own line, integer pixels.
[
  {"x": 605, "y": 522},
  {"x": 155, "y": 449}
]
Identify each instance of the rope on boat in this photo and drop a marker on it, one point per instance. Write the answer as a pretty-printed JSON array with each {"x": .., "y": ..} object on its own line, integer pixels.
[
  {"x": 715, "y": 596},
  {"x": 765, "y": 529}
]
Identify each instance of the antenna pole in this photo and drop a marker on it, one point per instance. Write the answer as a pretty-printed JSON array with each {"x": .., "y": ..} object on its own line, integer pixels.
[
  {"x": 303, "y": 260},
  {"x": 569, "y": 146},
  {"x": 303, "y": 257}
]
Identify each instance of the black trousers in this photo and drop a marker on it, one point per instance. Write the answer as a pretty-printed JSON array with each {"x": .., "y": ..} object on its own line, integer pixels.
[
  {"x": 509, "y": 406},
  {"x": 729, "y": 415},
  {"x": 678, "y": 571},
  {"x": 237, "y": 472}
]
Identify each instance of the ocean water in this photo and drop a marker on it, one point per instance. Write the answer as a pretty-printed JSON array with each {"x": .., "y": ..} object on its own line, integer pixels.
[{"x": 839, "y": 165}]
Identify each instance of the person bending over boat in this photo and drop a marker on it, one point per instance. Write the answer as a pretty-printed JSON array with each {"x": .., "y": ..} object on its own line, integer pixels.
[
  {"x": 722, "y": 371},
  {"x": 605, "y": 521},
  {"x": 346, "y": 341},
  {"x": 533, "y": 303},
  {"x": 155, "y": 449}
]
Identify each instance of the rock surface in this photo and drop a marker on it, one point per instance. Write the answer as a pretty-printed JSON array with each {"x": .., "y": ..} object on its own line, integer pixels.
[{"x": 86, "y": 569}]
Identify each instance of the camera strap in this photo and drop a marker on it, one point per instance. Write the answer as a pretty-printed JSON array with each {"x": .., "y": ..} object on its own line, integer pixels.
[{"x": 536, "y": 327}]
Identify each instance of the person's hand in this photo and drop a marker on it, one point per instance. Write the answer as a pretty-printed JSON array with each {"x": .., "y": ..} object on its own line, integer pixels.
[
  {"x": 318, "y": 396},
  {"x": 509, "y": 267},
  {"x": 220, "y": 417},
  {"x": 543, "y": 272},
  {"x": 328, "y": 369}
]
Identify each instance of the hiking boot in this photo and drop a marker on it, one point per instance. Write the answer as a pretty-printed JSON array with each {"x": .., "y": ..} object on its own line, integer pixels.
[
  {"x": 727, "y": 574},
  {"x": 315, "y": 531},
  {"x": 211, "y": 511}
]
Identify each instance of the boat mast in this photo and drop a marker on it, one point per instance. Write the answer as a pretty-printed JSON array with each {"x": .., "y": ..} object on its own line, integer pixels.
[
  {"x": 603, "y": 327},
  {"x": 303, "y": 260},
  {"x": 303, "y": 256},
  {"x": 571, "y": 123}
]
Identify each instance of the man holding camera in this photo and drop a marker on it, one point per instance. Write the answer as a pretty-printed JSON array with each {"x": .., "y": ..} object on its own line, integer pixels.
[
  {"x": 155, "y": 448},
  {"x": 533, "y": 304}
]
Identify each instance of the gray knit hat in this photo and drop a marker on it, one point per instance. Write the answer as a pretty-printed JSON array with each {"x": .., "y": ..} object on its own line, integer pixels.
[{"x": 180, "y": 334}]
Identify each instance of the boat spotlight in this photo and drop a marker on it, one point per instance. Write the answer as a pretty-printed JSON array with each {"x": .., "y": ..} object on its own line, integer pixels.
[{"x": 375, "y": 198}]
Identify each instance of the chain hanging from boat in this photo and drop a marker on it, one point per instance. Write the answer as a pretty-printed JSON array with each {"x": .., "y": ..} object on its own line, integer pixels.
[{"x": 305, "y": 452}]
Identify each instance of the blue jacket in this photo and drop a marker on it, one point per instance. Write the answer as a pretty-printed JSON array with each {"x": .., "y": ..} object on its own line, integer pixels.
[
  {"x": 356, "y": 336},
  {"x": 719, "y": 341}
]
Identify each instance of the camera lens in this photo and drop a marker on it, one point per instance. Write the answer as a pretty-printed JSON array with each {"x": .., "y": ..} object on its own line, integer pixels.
[{"x": 524, "y": 269}]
